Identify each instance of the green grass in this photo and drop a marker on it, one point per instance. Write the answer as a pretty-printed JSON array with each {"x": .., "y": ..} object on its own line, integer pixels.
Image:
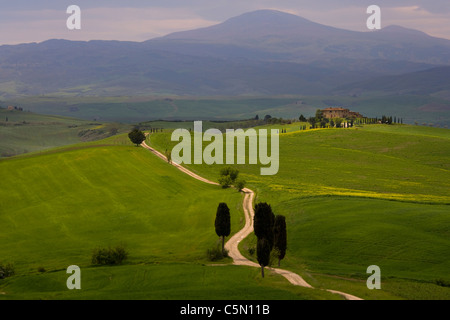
[
  {"x": 71, "y": 202},
  {"x": 139, "y": 109},
  {"x": 23, "y": 132},
  {"x": 161, "y": 281},
  {"x": 60, "y": 204},
  {"x": 352, "y": 198},
  {"x": 424, "y": 109},
  {"x": 377, "y": 194},
  {"x": 343, "y": 236}
]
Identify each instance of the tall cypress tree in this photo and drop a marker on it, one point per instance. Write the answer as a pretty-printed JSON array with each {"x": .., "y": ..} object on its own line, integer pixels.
[
  {"x": 223, "y": 223},
  {"x": 280, "y": 236},
  {"x": 263, "y": 227},
  {"x": 263, "y": 222},
  {"x": 263, "y": 253}
]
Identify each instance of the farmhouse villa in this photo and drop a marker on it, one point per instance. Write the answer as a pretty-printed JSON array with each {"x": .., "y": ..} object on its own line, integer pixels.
[{"x": 340, "y": 112}]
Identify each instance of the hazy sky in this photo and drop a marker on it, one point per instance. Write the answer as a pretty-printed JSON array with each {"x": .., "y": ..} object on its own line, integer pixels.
[{"x": 24, "y": 21}]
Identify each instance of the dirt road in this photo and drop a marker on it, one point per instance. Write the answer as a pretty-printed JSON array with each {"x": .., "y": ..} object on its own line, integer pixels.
[{"x": 232, "y": 244}]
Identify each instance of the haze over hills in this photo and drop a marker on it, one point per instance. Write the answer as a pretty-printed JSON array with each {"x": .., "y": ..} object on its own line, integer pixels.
[
  {"x": 294, "y": 38},
  {"x": 430, "y": 81},
  {"x": 264, "y": 52}
]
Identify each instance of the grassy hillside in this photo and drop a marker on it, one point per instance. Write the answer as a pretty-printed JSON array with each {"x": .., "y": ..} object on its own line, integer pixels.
[
  {"x": 23, "y": 132},
  {"x": 57, "y": 206},
  {"x": 421, "y": 108},
  {"x": 355, "y": 197}
]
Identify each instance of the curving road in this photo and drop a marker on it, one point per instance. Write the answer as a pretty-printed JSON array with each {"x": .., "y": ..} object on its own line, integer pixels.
[{"x": 233, "y": 243}]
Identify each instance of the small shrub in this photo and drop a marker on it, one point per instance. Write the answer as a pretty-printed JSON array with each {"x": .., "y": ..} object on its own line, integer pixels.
[
  {"x": 6, "y": 270},
  {"x": 216, "y": 253},
  {"x": 442, "y": 283},
  {"x": 41, "y": 269},
  {"x": 109, "y": 256}
]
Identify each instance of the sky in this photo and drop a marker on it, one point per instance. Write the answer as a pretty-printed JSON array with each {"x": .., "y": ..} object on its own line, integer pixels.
[{"x": 24, "y": 21}]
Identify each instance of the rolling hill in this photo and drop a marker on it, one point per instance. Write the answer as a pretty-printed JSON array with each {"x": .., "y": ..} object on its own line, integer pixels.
[
  {"x": 24, "y": 131},
  {"x": 355, "y": 197},
  {"x": 62, "y": 204},
  {"x": 263, "y": 52},
  {"x": 426, "y": 82},
  {"x": 352, "y": 197}
]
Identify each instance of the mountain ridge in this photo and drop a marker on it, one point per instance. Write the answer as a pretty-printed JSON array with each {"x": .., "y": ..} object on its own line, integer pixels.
[{"x": 262, "y": 52}]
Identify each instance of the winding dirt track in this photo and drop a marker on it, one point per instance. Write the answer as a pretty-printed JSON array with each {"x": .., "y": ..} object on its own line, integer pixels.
[{"x": 233, "y": 243}]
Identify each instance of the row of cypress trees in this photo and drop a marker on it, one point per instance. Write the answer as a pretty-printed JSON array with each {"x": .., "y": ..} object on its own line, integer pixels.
[{"x": 269, "y": 229}]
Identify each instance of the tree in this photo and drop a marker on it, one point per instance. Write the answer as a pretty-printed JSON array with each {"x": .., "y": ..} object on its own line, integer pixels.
[
  {"x": 228, "y": 176},
  {"x": 225, "y": 181},
  {"x": 312, "y": 122},
  {"x": 229, "y": 171},
  {"x": 319, "y": 115},
  {"x": 267, "y": 117},
  {"x": 136, "y": 136},
  {"x": 240, "y": 184},
  {"x": 222, "y": 223},
  {"x": 263, "y": 253},
  {"x": 302, "y": 118},
  {"x": 263, "y": 222},
  {"x": 280, "y": 236}
]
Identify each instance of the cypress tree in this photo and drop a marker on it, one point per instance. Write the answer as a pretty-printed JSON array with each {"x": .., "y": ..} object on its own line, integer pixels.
[
  {"x": 263, "y": 222},
  {"x": 222, "y": 223},
  {"x": 263, "y": 253},
  {"x": 280, "y": 236}
]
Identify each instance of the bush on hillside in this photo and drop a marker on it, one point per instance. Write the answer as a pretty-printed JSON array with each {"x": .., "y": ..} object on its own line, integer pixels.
[
  {"x": 216, "y": 253},
  {"x": 109, "y": 256},
  {"x": 228, "y": 176},
  {"x": 225, "y": 181},
  {"x": 240, "y": 184},
  {"x": 136, "y": 136},
  {"x": 6, "y": 270}
]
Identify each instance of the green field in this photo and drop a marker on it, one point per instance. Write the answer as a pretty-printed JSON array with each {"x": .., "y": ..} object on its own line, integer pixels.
[
  {"x": 376, "y": 194},
  {"x": 426, "y": 110},
  {"x": 57, "y": 206},
  {"x": 24, "y": 132}
]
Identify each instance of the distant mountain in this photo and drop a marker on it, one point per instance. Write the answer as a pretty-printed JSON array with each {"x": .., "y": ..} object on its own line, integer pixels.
[
  {"x": 258, "y": 28},
  {"x": 425, "y": 82},
  {"x": 293, "y": 38},
  {"x": 264, "y": 52}
]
